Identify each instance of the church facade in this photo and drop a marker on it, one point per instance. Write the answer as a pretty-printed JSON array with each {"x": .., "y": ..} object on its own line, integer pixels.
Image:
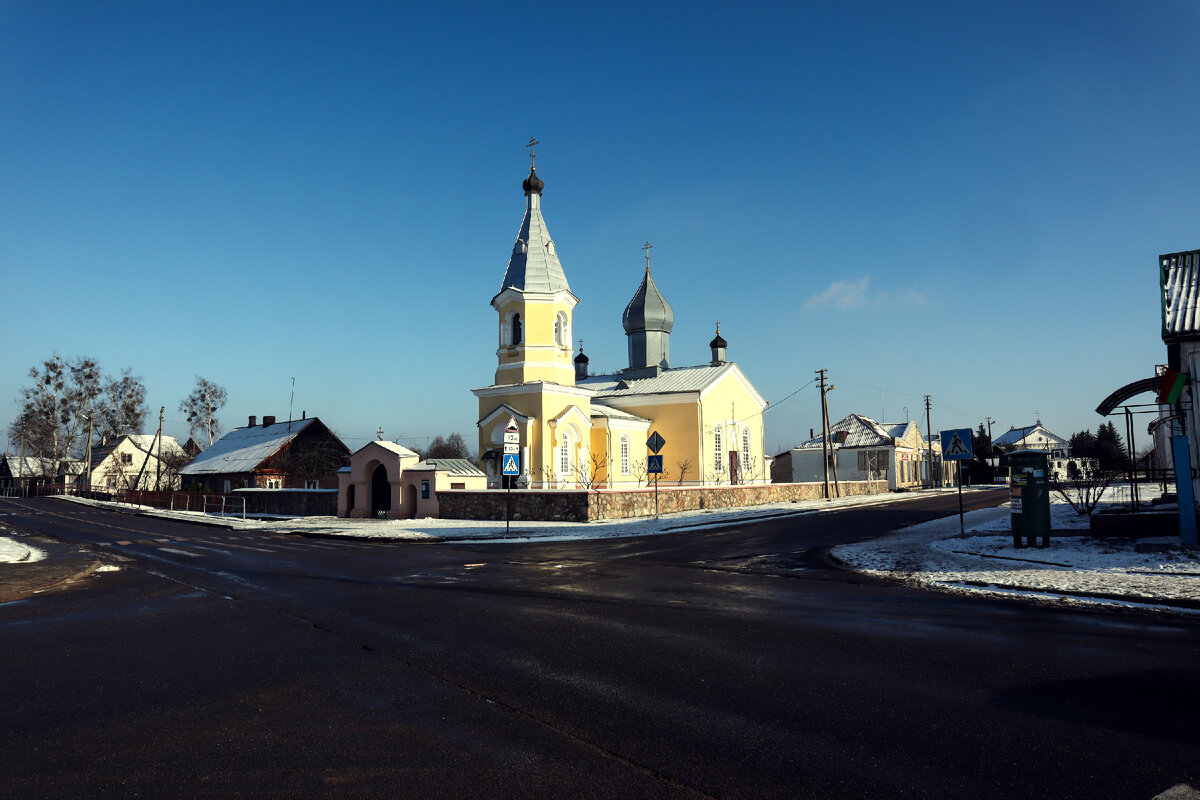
[{"x": 589, "y": 431}]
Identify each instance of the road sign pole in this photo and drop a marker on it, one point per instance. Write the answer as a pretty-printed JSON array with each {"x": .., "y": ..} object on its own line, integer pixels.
[
  {"x": 962, "y": 531},
  {"x": 656, "y": 497},
  {"x": 507, "y": 503}
]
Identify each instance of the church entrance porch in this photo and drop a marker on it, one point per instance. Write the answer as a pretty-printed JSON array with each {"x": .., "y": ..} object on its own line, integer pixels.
[{"x": 381, "y": 492}]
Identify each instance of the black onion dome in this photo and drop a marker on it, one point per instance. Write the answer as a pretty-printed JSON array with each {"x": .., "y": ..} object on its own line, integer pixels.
[
  {"x": 581, "y": 358},
  {"x": 533, "y": 183},
  {"x": 718, "y": 341}
]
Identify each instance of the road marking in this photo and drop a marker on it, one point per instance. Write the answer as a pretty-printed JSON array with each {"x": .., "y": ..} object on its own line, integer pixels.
[{"x": 180, "y": 552}]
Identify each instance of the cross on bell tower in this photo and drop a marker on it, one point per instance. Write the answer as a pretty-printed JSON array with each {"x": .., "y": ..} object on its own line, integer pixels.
[
  {"x": 532, "y": 154},
  {"x": 646, "y": 248}
]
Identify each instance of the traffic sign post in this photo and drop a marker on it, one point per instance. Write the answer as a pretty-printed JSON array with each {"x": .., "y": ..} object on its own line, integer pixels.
[
  {"x": 654, "y": 463},
  {"x": 510, "y": 465},
  {"x": 957, "y": 445}
]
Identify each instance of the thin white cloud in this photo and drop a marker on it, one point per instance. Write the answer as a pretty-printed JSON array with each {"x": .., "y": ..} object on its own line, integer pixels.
[{"x": 855, "y": 293}]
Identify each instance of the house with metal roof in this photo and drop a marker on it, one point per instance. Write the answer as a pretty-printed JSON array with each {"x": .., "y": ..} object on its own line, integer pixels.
[
  {"x": 861, "y": 449},
  {"x": 577, "y": 430},
  {"x": 295, "y": 454},
  {"x": 1031, "y": 437}
]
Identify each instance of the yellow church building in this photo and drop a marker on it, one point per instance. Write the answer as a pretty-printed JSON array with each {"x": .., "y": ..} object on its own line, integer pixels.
[{"x": 589, "y": 431}]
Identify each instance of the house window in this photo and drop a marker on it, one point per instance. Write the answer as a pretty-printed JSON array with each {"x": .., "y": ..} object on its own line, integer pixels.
[
  {"x": 126, "y": 458},
  {"x": 312, "y": 484},
  {"x": 745, "y": 449},
  {"x": 458, "y": 486},
  {"x": 624, "y": 455},
  {"x": 515, "y": 330},
  {"x": 274, "y": 483},
  {"x": 564, "y": 457},
  {"x": 424, "y": 490},
  {"x": 718, "y": 450}
]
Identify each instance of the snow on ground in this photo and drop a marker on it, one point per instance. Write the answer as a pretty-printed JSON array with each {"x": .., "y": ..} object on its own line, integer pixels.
[
  {"x": 14, "y": 552},
  {"x": 1148, "y": 573}
]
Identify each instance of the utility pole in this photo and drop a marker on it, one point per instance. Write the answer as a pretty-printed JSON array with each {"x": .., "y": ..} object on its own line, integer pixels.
[
  {"x": 158, "y": 463},
  {"x": 87, "y": 473},
  {"x": 989, "y": 424},
  {"x": 824, "y": 435},
  {"x": 929, "y": 434}
]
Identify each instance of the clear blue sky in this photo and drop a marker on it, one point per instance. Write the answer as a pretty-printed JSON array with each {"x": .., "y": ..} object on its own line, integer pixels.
[{"x": 956, "y": 199}]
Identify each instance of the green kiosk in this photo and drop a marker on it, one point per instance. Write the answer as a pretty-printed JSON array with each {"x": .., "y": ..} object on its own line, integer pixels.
[{"x": 1029, "y": 490}]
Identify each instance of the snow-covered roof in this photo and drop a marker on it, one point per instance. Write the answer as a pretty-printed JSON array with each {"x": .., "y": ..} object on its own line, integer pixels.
[
  {"x": 143, "y": 442},
  {"x": 454, "y": 466},
  {"x": 243, "y": 449},
  {"x": 861, "y": 431},
  {"x": 391, "y": 447},
  {"x": 33, "y": 467},
  {"x": 1179, "y": 280},
  {"x": 1017, "y": 435}
]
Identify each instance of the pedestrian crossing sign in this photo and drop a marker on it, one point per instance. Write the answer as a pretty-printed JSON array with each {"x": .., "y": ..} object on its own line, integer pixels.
[
  {"x": 957, "y": 445},
  {"x": 512, "y": 464},
  {"x": 654, "y": 465}
]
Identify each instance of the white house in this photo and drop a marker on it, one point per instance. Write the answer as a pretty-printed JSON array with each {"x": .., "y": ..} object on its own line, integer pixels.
[
  {"x": 863, "y": 450},
  {"x": 136, "y": 461},
  {"x": 1032, "y": 437}
]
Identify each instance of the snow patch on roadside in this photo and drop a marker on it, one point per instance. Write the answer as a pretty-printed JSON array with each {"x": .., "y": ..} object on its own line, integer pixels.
[{"x": 15, "y": 552}]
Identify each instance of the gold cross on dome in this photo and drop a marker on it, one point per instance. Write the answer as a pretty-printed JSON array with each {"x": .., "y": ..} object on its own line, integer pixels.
[{"x": 532, "y": 155}]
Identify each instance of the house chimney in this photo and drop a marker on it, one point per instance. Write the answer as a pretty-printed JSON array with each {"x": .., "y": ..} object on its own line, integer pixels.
[
  {"x": 268, "y": 422},
  {"x": 303, "y": 415},
  {"x": 253, "y": 421}
]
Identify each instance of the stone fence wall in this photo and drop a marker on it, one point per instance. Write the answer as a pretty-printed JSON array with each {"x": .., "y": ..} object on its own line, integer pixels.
[
  {"x": 290, "y": 502},
  {"x": 578, "y": 505}
]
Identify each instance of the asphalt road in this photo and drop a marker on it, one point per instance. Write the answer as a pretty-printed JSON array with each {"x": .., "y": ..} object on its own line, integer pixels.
[{"x": 727, "y": 663}]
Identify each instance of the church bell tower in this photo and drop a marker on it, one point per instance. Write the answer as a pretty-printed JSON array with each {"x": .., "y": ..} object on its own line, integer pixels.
[{"x": 535, "y": 303}]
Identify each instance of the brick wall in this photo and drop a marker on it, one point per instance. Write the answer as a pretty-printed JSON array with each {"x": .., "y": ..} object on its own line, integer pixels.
[
  {"x": 290, "y": 502},
  {"x": 582, "y": 506}
]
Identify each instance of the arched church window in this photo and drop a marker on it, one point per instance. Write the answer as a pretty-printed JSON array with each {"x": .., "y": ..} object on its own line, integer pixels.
[
  {"x": 624, "y": 455},
  {"x": 515, "y": 332},
  {"x": 718, "y": 450},
  {"x": 745, "y": 449},
  {"x": 562, "y": 333},
  {"x": 564, "y": 457}
]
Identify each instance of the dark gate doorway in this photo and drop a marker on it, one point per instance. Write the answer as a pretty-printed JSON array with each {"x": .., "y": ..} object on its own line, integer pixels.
[{"x": 381, "y": 492}]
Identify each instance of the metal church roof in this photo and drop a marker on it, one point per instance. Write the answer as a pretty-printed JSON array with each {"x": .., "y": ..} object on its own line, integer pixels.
[
  {"x": 534, "y": 264},
  {"x": 676, "y": 379},
  {"x": 648, "y": 310}
]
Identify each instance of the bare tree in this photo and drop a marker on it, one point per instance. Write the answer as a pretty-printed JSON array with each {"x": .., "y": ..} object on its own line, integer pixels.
[
  {"x": 452, "y": 446},
  {"x": 1084, "y": 490},
  {"x": 201, "y": 407},
  {"x": 752, "y": 471},
  {"x": 683, "y": 465},
  {"x": 56, "y": 406},
  {"x": 587, "y": 471},
  {"x": 123, "y": 408},
  {"x": 640, "y": 470},
  {"x": 310, "y": 458}
]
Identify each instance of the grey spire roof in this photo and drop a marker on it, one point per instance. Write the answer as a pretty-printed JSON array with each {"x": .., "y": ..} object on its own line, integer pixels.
[
  {"x": 648, "y": 310},
  {"x": 534, "y": 265}
]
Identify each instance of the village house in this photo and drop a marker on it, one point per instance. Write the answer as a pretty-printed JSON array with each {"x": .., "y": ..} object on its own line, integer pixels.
[
  {"x": 296, "y": 454},
  {"x": 862, "y": 449},
  {"x": 135, "y": 461}
]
